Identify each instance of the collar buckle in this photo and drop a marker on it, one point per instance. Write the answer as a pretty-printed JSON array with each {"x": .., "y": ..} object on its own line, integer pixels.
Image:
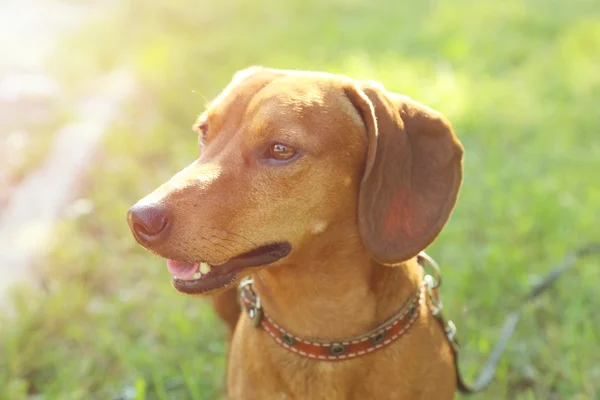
[{"x": 253, "y": 308}]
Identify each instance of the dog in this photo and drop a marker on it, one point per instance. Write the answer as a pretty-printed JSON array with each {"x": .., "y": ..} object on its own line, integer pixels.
[{"x": 323, "y": 190}]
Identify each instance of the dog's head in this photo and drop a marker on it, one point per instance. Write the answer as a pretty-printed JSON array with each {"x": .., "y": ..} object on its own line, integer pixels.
[{"x": 285, "y": 155}]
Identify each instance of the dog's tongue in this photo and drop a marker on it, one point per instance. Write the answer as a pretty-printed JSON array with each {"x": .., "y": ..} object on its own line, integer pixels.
[{"x": 182, "y": 270}]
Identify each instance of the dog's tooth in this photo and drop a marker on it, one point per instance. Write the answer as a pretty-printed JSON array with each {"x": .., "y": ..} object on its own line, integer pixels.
[
  {"x": 204, "y": 268},
  {"x": 197, "y": 275}
]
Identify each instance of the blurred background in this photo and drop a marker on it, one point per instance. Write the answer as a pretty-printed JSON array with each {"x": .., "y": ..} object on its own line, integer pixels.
[{"x": 96, "y": 103}]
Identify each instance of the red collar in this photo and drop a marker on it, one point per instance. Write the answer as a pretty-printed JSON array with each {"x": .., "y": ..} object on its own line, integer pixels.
[{"x": 376, "y": 339}]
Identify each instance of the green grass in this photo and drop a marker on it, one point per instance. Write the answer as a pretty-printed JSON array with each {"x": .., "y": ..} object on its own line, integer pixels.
[{"x": 519, "y": 80}]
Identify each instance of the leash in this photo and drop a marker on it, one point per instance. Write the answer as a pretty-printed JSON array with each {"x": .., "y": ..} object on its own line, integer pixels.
[{"x": 487, "y": 372}]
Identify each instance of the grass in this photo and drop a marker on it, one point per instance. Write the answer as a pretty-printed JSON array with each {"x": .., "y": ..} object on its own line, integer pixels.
[{"x": 519, "y": 81}]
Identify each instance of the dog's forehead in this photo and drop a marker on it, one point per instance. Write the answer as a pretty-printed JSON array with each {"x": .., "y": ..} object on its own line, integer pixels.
[
  {"x": 271, "y": 101},
  {"x": 236, "y": 96},
  {"x": 293, "y": 86},
  {"x": 295, "y": 93},
  {"x": 305, "y": 99}
]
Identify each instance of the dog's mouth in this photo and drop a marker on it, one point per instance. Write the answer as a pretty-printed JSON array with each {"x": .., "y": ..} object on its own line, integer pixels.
[{"x": 202, "y": 277}]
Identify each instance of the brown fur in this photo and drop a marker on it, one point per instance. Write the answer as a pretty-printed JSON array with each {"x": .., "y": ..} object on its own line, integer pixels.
[{"x": 376, "y": 180}]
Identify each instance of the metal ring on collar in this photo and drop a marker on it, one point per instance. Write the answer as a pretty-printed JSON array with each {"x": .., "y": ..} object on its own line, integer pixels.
[{"x": 437, "y": 272}]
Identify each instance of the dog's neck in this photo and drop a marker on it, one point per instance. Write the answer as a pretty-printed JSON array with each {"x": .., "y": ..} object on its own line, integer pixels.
[{"x": 335, "y": 289}]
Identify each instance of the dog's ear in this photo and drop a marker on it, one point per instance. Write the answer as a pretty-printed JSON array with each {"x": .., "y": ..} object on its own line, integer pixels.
[{"x": 412, "y": 173}]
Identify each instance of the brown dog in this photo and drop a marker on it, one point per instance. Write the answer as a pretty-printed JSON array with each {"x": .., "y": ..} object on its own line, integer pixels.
[{"x": 324, "y": 190}]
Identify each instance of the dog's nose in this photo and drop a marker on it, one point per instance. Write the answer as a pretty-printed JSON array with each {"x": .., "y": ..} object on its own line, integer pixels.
[{"x": 147, "y": 222}]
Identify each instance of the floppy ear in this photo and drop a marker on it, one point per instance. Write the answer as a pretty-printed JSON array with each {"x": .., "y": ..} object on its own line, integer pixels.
[{"x": 412, "y": 175}]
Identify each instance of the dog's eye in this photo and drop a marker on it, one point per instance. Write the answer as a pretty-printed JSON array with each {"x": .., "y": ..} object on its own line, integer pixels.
[
  {"x": 202, "y": 129},
  {"x": 281, "y": 152}
]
